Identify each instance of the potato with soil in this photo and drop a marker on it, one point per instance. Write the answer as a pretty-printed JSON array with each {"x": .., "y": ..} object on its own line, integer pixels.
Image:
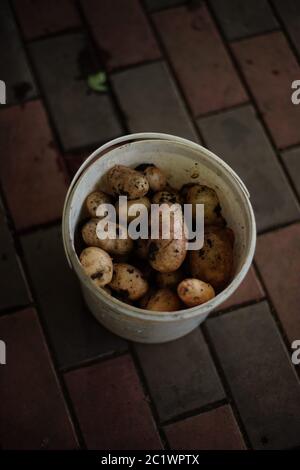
[
  {"x": 169, "y": 280},
  {"x": 166, "y": 197},
  {"x": 94, "y": 200},
  {"x": 114, "y": 246},
  {"x": 164, "y": 300},
  {"x": 201, "y": 194},
  {"x": 133, "y": 208},
  {"x": 124, "y": 181},
  {"x": 97, "y": 264},
  {"x": 155, "y": 177},
  {"x": 195, "y": 292},
  {"x": 167, "y": 256},
  {"x": 214, "y": 262},
  {"x": 128, "y": 281}
]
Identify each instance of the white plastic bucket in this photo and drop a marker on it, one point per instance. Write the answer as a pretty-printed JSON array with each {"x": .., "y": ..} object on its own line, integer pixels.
[{"x": 182, "y": 161}]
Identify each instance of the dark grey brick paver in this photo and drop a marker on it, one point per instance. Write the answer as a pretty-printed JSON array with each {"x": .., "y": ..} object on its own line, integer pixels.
[
  {"x": 239, "y": 18},
  {"x": 74, "y": 333},
  {"x": 291, "y": 159},
  {"x": 81, "y": 117},
  {"x": 238, "y": 138},
  {"x": 13, "y": 291},
  {"x": 260, "y": 375},
  {"x": 14, "y": 67},
  {"x": 181, "y": 375},
  {"x": 150, "y": 101},
  {"x": 153, "y": 5}
]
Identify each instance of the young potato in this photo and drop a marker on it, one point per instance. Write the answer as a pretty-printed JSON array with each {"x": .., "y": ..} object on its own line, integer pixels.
[
  {"x": 128, "y": 281},
  {"x": 200, "y": 194},
  {"x": 114, "y": 246},
  {"x": 169, "y": 280},
  {"x": 194, "y": 292},
  {"x": 97, "y": 264},
  {"x": 125, "y": 181},
  {"x": 156, "y": 178},
  {"x": 144, "y": 201},
  {"x": 166, "y": 197},
  {"x": 164, "y": 300},
  {"x": 94, "y": 200},
  {"x": 214, "y": 262},
  {"x": 167, "y": 256}
]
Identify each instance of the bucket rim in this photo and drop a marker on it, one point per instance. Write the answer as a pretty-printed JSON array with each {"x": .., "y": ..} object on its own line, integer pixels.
[{"x": 136, "y": 312}]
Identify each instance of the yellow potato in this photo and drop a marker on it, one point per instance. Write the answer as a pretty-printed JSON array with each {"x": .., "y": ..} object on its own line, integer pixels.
[
  {"x": 128, "y": 281},
  {"x": 166, "y": 197},
  {"x": 156, "y": 178},
  {"x": 194, "y": 292},
  {"x": 97, "y": 264},
  {"x": 94, "y": 200},
  {"x": 144, "y": 201},
  {"x": 169, "y": 279},
  {"x": 114, "y": 246},
  {"x": 167, "y": 256},
  {"x": 214, "y": 262},
  {"x": 122, "y": 180},
  {"x": 164, "y": 300},
  {"x": 143, "y": 301}
]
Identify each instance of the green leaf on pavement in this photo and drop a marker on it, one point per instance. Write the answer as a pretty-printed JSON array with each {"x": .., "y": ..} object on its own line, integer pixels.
[{"x": 97, "y": 82}]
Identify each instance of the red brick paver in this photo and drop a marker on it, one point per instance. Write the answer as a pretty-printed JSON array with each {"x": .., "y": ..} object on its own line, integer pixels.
[
  {"x": 214, "y": 430},
  {"x": 121, "y": 32},
  {"x": 32, "y": 409},
  {"x": 204, "y": 70},
  {"x": 32, "y": 174},
  {"x": 43, "y": 17},
  {"x": 278, "y": 260},
  {"x": 270, "y": 68},
  {"x": 111, "y": 407}
]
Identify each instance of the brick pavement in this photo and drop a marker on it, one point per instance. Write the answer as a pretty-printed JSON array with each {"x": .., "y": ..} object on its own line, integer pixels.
[{"x": 215, "y": 72}]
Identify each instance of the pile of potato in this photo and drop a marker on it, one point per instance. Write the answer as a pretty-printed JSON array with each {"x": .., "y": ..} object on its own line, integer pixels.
[{"x": 158, "y": 275}]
